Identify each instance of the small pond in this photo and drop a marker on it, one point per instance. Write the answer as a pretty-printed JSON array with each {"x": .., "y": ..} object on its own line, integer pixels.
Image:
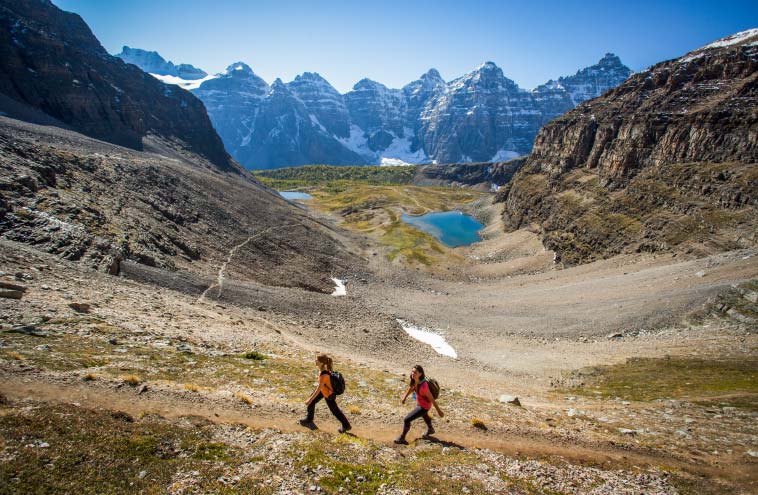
[
  {"x": 294, "y": 195},
  {"x": 452, "y": 228}
]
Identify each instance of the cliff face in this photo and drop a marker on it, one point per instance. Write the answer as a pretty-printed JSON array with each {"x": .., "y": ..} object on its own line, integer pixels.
[
  {"x": 479, "y": 176},
  {"x": 51, "y": 61},
  {"x": 624, "y": 171}
]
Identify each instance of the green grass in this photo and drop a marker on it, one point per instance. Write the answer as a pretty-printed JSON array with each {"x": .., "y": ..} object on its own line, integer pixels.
[
  {"x": 376, "y": 210},
  {"x": 93, "y": 354},
  {"x": 725, "y": 381},
  {"x": 356, "y": 471},
  {"x": 76, "y": 450},
  {"x": 370, "y": 200}
]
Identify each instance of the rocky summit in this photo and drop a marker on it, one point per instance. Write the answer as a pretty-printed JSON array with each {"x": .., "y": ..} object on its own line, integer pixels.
[
  {"x": 665, "y": 161},
  {"x": 127, "y": 174},
  {"x": 155, "y": 64},
  {"x": 482, "y": 116}
]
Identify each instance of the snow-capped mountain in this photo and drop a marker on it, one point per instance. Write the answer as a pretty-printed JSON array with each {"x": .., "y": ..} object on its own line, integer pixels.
[
  {"x": 481, "y": 116},
  {"x": 266, "y": 126},
  {"x": 153, "y": 63},
  {"x": 184, "y": 75}
]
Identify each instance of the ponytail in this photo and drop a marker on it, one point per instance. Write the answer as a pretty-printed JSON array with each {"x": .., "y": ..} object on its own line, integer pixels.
[{"x": 324, "y": 359}]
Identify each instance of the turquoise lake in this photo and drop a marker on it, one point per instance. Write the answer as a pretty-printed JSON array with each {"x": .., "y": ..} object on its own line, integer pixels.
[
  {"x": 452, "y": 228},
  {"x": 293, "y": 195}
]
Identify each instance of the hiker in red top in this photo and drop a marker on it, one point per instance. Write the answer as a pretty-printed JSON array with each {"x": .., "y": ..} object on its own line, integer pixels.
[
  {"x": 424, "y": 402},
  {"x": 324, "y": 391}
]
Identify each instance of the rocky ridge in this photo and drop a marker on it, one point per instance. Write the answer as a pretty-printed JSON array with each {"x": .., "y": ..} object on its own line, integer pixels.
[{"x": 666, "y": 160}]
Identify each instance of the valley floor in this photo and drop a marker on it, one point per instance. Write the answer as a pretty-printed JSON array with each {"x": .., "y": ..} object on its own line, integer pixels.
[{"x": 114, "y": 384}]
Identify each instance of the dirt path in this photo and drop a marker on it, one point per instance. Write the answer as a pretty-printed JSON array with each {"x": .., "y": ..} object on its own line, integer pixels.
[{"x": 604, "y": 454}]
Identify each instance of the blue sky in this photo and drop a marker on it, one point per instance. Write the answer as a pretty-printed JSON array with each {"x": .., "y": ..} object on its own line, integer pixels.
[{"x": 394, "y": 42}]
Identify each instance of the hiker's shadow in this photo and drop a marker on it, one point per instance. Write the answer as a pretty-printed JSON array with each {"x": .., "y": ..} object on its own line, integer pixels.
[{"x": 444, "y": 443}]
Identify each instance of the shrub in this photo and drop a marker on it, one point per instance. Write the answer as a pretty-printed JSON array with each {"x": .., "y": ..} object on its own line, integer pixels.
[
  {"x": 132, "y": 380},
  {"x": 254, "y": 355},
  {"x": 478, "y": 423}
]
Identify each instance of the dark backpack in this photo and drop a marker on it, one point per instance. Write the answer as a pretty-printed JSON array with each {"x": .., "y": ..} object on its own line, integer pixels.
[
  {"x": 434, "y": 387},
  {"x": 338, "y": 382}
]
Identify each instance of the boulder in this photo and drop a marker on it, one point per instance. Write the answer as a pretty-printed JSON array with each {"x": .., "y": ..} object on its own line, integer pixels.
[
  {"x": 11, "y": 294},
  {"x": 510, "y": 399},
  {"x": 80, "y": 307}
]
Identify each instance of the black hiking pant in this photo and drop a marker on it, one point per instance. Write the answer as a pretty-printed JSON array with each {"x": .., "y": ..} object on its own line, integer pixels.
[
  {"x": 331, "y": 401},
  {"x": 419, "y": 412}
]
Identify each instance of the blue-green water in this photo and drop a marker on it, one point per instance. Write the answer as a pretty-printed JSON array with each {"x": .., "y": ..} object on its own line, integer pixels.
[
  {"x": 293, "y": 195},
  {"x": 452, "y": 228}
]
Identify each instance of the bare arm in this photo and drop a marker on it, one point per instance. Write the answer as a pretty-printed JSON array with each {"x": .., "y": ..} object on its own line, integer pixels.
[
  {"x": 430, "y": 398},
  {"x": 314, "y": 394},
  {"x": 407, "y": 393}
]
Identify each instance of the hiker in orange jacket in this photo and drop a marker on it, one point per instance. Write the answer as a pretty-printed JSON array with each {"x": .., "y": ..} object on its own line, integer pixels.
[{"x": 324, "y": 391}]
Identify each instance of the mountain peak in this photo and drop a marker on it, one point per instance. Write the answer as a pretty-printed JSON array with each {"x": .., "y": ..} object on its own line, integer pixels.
[
  {"x": 278, "y": 85},
  {"x": 310, "y": 76},
  {"x": 432, "y": 75},
  {"x": 487, "y": 66},
  {"x": 367, "y": 83},
  {"x": 152, "y": 62},
  {"x": 239, "y": 68}
]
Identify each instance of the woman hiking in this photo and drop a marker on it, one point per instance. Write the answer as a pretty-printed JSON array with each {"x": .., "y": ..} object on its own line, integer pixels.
[
  {"x": 324, "y": 391},
  {"x": 424, "y": 402}
]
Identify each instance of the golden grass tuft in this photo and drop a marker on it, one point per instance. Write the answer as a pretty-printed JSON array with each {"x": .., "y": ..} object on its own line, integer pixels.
[
  {"x": 132, "y": 380},
  {"x": 478, "y": 423},
  {"x": 244, "y": 398}
]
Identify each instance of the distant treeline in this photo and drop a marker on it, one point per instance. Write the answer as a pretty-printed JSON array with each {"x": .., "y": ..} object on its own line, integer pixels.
[{"x": 312, "y": 175}]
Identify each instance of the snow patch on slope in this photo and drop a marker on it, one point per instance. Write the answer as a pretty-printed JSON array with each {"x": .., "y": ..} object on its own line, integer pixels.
[
  {"x": 430, "y": 337},
  {"x": 399, "y": 152},
  {"x": 339, "y": 287},
  {"x": 187, "y": 84},
  {"x": 733, "y": 39},
  {"x": 356, "y": 141}
]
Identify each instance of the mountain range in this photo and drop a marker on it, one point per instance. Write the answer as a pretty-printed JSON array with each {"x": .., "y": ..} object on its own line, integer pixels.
[{"x": 481, "y": 116}]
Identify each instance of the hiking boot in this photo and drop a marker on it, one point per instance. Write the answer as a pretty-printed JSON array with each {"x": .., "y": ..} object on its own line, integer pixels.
[
  {"x": 308, "y": 423},
  {"x": 429, "y": 432},
  {"x": 345, "y": 429},
  {"x": 401, "y": 441}
]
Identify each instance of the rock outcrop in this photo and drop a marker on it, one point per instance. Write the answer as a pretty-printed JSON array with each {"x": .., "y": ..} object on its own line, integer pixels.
[
  {"x": 51, "y": 61},
  {"x": 480, "y": 176},
  {"x": 666, "y": 160}
]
